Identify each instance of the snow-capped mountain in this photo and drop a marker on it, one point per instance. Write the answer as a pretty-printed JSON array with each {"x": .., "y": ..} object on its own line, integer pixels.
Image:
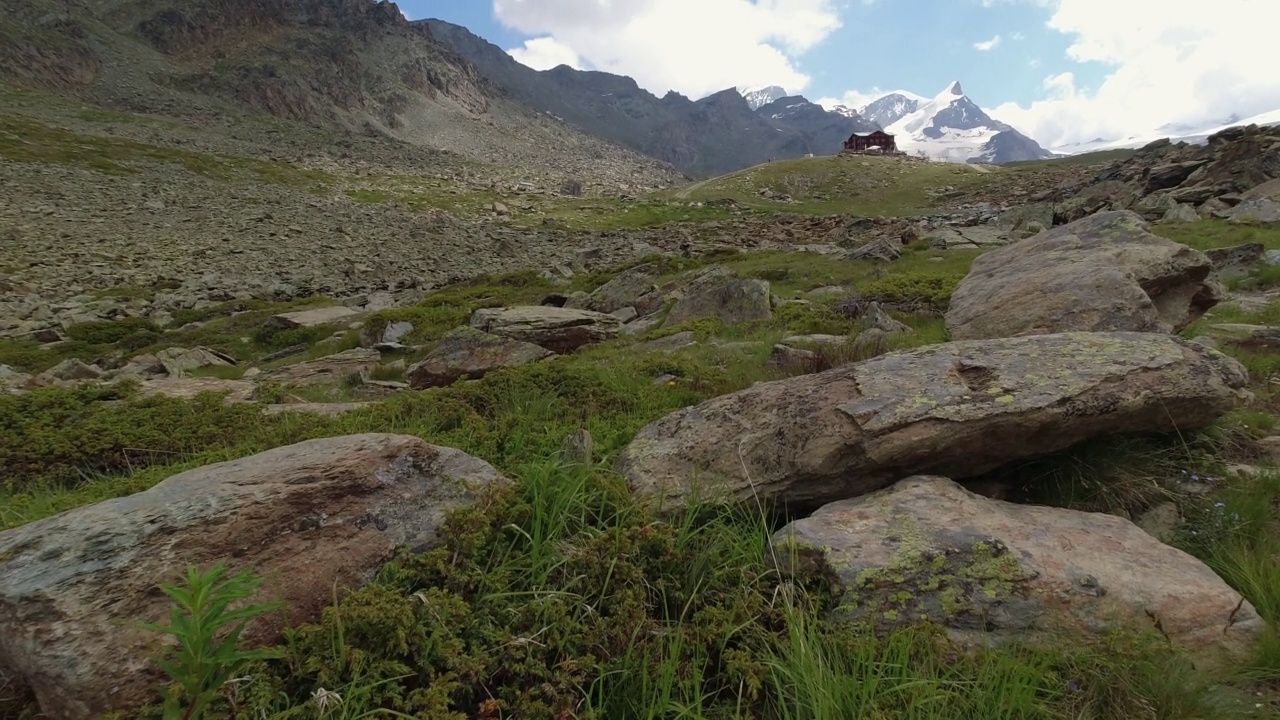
[
  {"x": 1177, "y": 132},
  {"x": 758, "y": 97},
  {"x": 891, "y": 108},
  {"x": 953, "y": 128}
]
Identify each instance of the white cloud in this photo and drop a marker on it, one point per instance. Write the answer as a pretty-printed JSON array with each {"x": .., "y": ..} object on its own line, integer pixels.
[
  {"x": 692, "y": 46},
  {"x": 545, "y": 53},
  {"x": 1163, "y": 66},
  {"x": 986, "y": 45},
  {"x": 853, "y": 98}
]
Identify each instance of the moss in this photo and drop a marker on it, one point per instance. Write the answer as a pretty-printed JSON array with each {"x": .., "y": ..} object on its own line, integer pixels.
[{"x": 953, "y": 582}]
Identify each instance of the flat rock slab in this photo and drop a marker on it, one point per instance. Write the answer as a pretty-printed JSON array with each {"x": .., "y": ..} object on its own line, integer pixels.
[
  {"x": 185, "y": 388},
  {"x": 306, "y": 517},
  {"x": 469, "y": 353},
  {"x": 560, "y": 330},
  {"x": 315, "y": 317},
  {"x": 957, "y": 409},
  {"x": 1105, "y": 272},
  {"x": 988, "y": 570},
  {"x": 330, "y": 368},
  {"x": 325, "y": 409}
]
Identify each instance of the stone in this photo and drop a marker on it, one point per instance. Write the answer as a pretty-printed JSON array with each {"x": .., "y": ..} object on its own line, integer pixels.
[
  {"x": 791, "y": 360},
  {"x": 1197, "y": 194},
  {"x": 1262, "y": 212},
  {"x": 579, "y": 447},
  {"x": 469, "y": 353},
  {"x": 994, "y": 572},
  {"x": 633, "y": 287},
  {"x": 1181, "y": 213},
  {"x": 670, "y": 343},
  {"x": 324, "y": 409},
  {"x": 1234, "y": 261},
  {"x": 875, "y": 318},
  {"x": 817, "y": 340},
  {"x": 1269, "y": 449},
  {"x": 884, "y": 249},
  {"x": 185, "y": 388},
  {"x": 1103, "y": 273},
  {"x": 870, "y": 343},
  {"x": 625, "y": 314},
  {"x": 390, "y": 335},
  {"x": 717, "y": 293},
  {"x": 307, "y": 517},
  {"x": 560, "y": 330},
  {"x": 1170, "y": 175},
  {"x": 177, "y": 362},
  {"x": 69, "y": 370},
  {"x": 314, "y": 317},
  {"x": 1161, "y": 521},
  {"x": 959, "y": 409},
  {"x": 1269, "y": 190},
  {"x": 335, "y": 368}
]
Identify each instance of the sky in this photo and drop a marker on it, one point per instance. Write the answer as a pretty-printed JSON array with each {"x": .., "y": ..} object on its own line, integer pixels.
[{"x": 1061, "y": 71}]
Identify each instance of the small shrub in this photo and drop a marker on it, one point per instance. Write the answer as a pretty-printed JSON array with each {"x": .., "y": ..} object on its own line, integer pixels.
[
  {"x": 108, "y": 332},
  {"x": 208, "y": 634}
]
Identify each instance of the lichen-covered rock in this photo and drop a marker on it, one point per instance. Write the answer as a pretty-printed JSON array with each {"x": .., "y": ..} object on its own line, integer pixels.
[
  {"x": 358, "y": 362},
  {"x": 306, "y": 517},
  {"x": 958, "y": 409},
  {"x": 633, "y": 287},
  {"x": 988, "y": 570},
  {"x": 560, "y": 330},
  {"x": 1102, "y": 273},
  {"x": 469, "y": 353},
  {"x": 718, "y": 293}
]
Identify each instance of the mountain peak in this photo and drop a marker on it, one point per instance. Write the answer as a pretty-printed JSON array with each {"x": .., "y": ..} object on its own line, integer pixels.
[
  {"x": 758, "y": 97},
  {"x": 952, "y": 90}
]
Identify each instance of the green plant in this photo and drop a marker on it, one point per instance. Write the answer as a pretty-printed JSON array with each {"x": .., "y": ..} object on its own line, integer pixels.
[{"x": 208, "y": 633}]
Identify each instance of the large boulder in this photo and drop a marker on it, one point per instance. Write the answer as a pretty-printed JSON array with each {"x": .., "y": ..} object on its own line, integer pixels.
[
  {"x": 74, "y": 587},
  {"x": 718, "y": 293},
  {"x": 469, "y": 353},
  {"x": 988, "y": 570},
  {"x": 633, "y": 287},
  {"x": 957, "y": 409},
  {"x": 1102, "y": 273},
  {"x": 560, "y": 330}
]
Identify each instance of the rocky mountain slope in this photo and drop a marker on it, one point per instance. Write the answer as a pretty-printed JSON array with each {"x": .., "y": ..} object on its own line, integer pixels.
[
  {"x": 711, "y": 136},
  {"x": 952, "y": 127},
  {"x": 891, "y": 108},
  {"x": 288, "y": 76}
]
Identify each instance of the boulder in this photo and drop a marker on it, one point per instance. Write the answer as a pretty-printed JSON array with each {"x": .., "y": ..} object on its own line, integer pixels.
[
  {"x": 1181, "y": 213},
  {"x": 1261, "y": 211},
  {"x": 718, "y": 293},
  {"x": 560, "y": 330},
  {"x": 330, "y": 368},
  {"x": 1170, "y": 175},
  {"x": 631, "y": 288},
  {"x": 884, "y": 249},
  {"x": 1236, "y": 260},
  {"x": 177, "y": 362},
  {"x": 68, "y": 371},
  {"x": 1102, "y": 273},
  {"x": 992, "y": 571},
  {"x": 875, "y": 318},
  {"x": 185, "y": 388},
  {"x": 306, "y": 517},
  {"x": 314, "y": 317},
  {"x": 469, "y": 353},
  {"x": 958, "y": 409},
  {"x": 389, "y": 335},
  {"x": 670, "y": 343}
]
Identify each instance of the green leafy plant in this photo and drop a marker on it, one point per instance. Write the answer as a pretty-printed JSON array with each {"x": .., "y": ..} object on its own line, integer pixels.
[{"x": 208, "y": 633}]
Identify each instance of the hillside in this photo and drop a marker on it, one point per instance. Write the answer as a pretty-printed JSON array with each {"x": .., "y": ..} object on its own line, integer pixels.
[
  {"x": 711, "y": 136},
  {"x": 290, "y": 76}
]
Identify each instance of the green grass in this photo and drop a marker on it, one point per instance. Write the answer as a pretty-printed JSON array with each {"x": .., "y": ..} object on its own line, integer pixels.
[
  {"x": 885, "y": 186},
  {"x": 25, "y": 140},
  {"x": 1097, "y": 157},
  {"x": 1210, "y": 234},
  {"x": 561, "y": 597}
]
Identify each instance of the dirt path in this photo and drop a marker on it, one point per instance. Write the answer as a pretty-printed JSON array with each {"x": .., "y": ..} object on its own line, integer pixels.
[{"x": 683, "y": 192}]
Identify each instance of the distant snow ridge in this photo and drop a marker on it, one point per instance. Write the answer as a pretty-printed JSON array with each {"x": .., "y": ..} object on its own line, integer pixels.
[
  {"x": 758, "y": 97},
  {"x": 953, "y": 128}
]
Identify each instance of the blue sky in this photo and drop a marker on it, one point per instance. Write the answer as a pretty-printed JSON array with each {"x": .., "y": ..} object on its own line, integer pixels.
[{"x": 1062, "y": 70}]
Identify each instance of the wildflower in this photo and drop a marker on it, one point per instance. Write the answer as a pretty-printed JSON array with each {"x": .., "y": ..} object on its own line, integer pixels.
[{"x": 1073, "y": 686}]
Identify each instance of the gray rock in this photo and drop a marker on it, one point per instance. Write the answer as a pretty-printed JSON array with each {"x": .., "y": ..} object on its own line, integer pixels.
[
  {"x": 791, "y": 360},
  {"x": 560, "y": 330},
  {"x": 314, "y": 317},
  {"x": 335, "y": 368},
  {"x": 469, "y": 353},
  {"x": 875, "y": 318},
  {"x": 177, "y": 362},
  {"x": 884, "y": 249},
  {"x": 717, "y": 293},
  {"x": 626, "y": 314},
  {"x": 579, "y": 447},
  {"x": 1262, "y": 212},
  {"x": 1161, "y": 521},
  {"x": 1236, "y": 260},
  {"x": 306, "y": 517},
  {"x": 670, "y": 343},
  {"x": 1181, "y": 213},
  {"x": 631, "y": 288},
  {"x": 1102, "y": 273},
  {"x": 994, "y": 572},
  {"x": 958, "y": 409}
]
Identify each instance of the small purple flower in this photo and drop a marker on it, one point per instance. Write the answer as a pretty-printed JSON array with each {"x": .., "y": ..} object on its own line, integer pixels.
[
  {"x": 1073, "y": 686},
  {"x": 1195, "y": 478},
  {"x": 1219, "y": 504}
]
